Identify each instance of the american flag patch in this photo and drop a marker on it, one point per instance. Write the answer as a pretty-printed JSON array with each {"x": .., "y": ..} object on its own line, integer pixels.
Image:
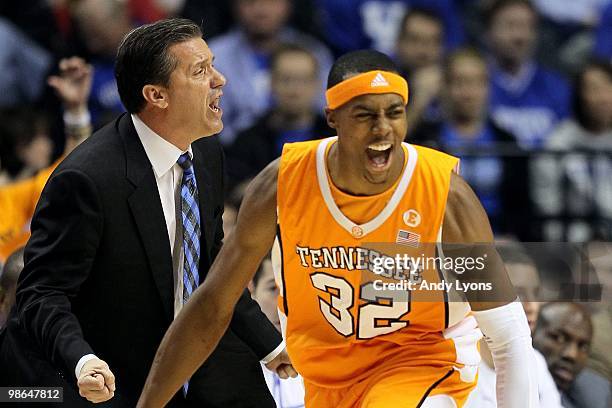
[{"x": 408, "y": 238}]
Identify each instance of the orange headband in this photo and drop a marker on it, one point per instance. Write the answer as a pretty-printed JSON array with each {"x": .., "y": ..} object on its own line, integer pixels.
[{"x": 372, "y": 82}]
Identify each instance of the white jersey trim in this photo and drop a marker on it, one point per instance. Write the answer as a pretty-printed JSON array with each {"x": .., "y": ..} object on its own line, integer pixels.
[{"x": 377, "y": 221}]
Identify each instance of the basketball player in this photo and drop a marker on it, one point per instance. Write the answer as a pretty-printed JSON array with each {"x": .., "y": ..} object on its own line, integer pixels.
[{"x": 319, "y": 205}]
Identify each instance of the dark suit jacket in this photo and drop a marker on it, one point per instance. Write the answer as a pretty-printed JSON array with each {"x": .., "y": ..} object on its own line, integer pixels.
[{"x": 98, "y": 279}]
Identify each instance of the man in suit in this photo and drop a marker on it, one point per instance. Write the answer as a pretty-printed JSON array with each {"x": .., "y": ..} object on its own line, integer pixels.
[{"x": 118, "y": 235}]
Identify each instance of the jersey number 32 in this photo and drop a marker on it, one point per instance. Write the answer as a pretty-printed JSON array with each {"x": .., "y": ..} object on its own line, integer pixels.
[{"x": 380, "y": 315}]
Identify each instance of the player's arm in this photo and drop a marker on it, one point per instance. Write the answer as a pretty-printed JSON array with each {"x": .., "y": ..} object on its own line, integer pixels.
[
  {"x": 195, "y": 332},
  {"x": 467, "y": 233}
]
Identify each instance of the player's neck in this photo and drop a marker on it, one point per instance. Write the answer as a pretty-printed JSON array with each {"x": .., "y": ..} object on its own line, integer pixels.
[{"x": 349, "y": 177}]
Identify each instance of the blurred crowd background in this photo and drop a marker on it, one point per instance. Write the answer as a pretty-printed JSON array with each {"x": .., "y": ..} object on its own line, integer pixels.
[{"x": 520, "y": 90}]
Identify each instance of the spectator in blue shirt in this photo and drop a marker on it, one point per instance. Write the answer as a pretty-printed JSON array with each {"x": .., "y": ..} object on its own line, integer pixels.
[
  {"x": 526, "y": 99},
  {"x": 293, "y": 117},
  {"x": 102, "y": 25},
  {"x": 490, "y": 159},
  {"x": 571, "y": 14},
  {"x": 24, "y": 66},
  {"x": 354, "y": 24},
  {"x": 419, "y": 51},
  {"x": 243, "y": 55},
  {"x": 603, "y": 35}
]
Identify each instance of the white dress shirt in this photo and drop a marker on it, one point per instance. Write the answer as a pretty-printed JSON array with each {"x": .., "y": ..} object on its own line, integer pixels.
[
  {"x": 287, "y": 393},
  {"x": 163, "y": 156}
]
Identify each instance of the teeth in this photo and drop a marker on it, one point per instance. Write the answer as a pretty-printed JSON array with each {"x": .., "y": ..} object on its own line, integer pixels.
[{"x": 380, "y": 147}]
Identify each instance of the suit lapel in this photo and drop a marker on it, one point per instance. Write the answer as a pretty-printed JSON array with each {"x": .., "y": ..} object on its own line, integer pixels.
[
  {"x": 148, "y": 214},
  {"x": 206, "y": 209}
]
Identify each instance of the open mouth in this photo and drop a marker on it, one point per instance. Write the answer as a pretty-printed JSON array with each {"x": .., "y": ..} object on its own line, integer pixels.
[
  {"x": 214, "y": 105},
  {"x": 379, "y": 155}
]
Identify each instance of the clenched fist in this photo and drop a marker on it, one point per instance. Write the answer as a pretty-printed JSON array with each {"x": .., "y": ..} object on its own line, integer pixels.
[{"x": 96, "y": 381}]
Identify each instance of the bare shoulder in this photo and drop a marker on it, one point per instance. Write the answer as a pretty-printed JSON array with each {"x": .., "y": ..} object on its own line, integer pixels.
[{"x": 465, "y": 219}]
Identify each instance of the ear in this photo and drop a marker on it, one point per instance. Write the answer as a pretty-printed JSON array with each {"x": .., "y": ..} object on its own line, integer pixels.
[
  {"x": 330, "y": 116},
  {"x": 155, "y": 95}
]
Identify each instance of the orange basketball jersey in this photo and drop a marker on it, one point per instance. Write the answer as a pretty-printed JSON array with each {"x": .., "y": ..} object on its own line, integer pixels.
[{"x": 340, "y": 326}]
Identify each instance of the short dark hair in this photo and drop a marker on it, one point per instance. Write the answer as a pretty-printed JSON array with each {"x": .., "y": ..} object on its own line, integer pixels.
[
  {"x": 289, "y": 48},
  {"x": 421, "y": 12},
  {"x": 460, "y": 53},
  {"x": 358, "y": 62},
  {"x": 498, "y": 5},
  {"x": 143, "y": 58},
  {"x": 578, "y": 104},
  {"x": 543, "y": 319}
]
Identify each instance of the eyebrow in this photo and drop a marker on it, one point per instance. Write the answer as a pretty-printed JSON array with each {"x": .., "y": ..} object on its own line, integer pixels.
[
  {"x": 362, "y": 107},
  {"x": 569, "y": 334},
  {"x": 395, "y": 106},
  {"x": 369, "y": 109},
  {"x": 203, "y": 61}
]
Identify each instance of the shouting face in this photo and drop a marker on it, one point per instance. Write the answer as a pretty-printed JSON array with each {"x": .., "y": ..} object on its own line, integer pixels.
[
  {"x": 371, "y": 129},
  {"x": 195, "y": 87}
]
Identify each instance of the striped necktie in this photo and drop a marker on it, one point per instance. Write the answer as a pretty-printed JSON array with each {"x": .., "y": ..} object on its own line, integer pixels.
[{"x": 190, "y": 215}]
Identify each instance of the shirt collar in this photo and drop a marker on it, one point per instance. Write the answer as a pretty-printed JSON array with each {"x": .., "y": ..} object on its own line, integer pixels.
[{"x": 161, "y": 153}]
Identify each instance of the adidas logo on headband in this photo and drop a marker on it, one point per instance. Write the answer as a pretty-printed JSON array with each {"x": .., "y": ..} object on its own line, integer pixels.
[
  {"x": 379, "y": 80},
  {"x": 371, "y": 82}
]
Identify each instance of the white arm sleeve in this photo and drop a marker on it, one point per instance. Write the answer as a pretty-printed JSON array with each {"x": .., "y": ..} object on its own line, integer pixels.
[{"x": 508, "y": 336}]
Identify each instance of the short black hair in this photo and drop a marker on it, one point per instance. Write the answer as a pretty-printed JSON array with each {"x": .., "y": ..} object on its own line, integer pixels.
[
  {"x": 579, "y": 107},
  {"x": 460, "y": 53},
  {"x": 498, "y": 5},
  {"x": 143, "y": 58},
  {"x": 289, "y": 48},
  {"x": 358, "y": 62},
  {"x": 543, "y": 319},
  {"x": 429, "y": 14}
]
